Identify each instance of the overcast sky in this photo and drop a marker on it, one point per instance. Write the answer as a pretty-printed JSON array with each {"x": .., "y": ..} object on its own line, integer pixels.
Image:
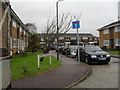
[{"x": 95, "y": 13}]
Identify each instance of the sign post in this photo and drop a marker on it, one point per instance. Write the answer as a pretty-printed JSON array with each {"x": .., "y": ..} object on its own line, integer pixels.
[{"x": 76, "y": 25}]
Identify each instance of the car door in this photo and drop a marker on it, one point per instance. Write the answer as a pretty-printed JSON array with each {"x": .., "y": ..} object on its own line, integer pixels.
[{"x": 82, "y": 54}]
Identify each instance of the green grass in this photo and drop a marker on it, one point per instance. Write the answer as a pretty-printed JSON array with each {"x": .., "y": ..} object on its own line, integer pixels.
[
  {"x": 113, "y": 52},
  {"x": 30, "y": 60}
]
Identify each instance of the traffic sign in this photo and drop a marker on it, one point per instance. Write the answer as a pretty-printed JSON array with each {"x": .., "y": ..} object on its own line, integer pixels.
[{"x": 75, "y": 24}]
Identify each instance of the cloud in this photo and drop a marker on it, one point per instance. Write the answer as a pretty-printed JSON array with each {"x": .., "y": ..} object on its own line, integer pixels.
[{"x": 95, "y": 14}]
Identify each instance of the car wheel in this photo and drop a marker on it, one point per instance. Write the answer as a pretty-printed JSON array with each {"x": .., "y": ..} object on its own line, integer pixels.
[{"x": 107, "y": 63}]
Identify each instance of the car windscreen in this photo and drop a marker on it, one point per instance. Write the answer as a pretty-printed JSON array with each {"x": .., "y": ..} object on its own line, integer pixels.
[
  {"x": 72, "y": 48},
  {"x": 92, "y": 48}
]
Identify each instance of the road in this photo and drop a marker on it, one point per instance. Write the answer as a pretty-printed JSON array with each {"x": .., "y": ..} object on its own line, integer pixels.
[{"x": 103, "y": 76}]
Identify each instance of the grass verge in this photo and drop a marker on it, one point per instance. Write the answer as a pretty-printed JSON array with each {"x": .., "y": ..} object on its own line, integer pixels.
[
  {"x": 19, "y": 63},
  {"x": 113, "y": 52}
]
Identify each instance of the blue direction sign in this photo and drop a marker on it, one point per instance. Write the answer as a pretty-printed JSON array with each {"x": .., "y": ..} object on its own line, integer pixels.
[{"x": 75, "y": 24}]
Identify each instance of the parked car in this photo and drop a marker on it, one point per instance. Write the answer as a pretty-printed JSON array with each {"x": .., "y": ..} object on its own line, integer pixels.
[
  {"x": 71, "y": 51},
  {"x": 64, "y": 50},
  {"x": 94, "y": 54}
]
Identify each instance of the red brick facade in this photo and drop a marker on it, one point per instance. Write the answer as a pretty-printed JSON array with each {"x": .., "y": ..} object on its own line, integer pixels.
[
  {"x": 12, "y": 39},
  {"x": 112, "y": 36}
]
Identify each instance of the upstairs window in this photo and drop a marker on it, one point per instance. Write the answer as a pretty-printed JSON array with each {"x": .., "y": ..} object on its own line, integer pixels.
[
  {"x": 85, "y": 38},
  {"x": 14, "y": 24},
  {"x": 117, "y": 29},
  {"x": 20, "y": 29},
  {"x": 106, "y": 31}
]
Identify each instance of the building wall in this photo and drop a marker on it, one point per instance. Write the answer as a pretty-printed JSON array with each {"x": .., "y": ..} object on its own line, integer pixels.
[{"x": 111, "y": 36}]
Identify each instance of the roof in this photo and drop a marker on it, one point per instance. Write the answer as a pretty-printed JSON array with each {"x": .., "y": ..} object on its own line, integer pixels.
[
  {"x": 113, "y": 24},
  {"x": 15, "y": 16},
  {"x": 74, "y": 35}
]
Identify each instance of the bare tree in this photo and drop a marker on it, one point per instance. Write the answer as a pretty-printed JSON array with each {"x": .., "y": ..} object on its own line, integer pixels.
[
  {"x": 31, "y": 27},
  {"x": 50, "y": 32}
]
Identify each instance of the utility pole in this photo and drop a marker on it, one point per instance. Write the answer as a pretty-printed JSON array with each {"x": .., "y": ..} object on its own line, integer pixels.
[{"x": 57, "y": 28}]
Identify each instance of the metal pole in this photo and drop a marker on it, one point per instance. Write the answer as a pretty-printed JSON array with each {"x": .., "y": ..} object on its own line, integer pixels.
[
  {"x": 78, "y": 47},
  {"x": 57, "y": 29},
  {"x": 38, "y": 61},
  {"x": 50, "y": 59}
]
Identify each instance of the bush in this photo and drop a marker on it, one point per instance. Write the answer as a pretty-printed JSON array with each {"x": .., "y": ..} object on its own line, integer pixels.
[
  {"x": 117, "y": 48},
  {"x": 23, "y": 53},
  {"x": 25, "y": 68},
  {"x": 45, "y": 50},
  {"x": 104, "y": 48}
]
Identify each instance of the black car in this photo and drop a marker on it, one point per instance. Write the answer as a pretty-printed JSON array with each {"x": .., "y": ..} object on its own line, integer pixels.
[{"x": 94, "y": 54}]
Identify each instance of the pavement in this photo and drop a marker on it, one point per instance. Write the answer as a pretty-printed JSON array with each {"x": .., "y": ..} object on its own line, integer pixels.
[
  {"x": 115, "y": 55},
  {"x": 65, "y": 76}
]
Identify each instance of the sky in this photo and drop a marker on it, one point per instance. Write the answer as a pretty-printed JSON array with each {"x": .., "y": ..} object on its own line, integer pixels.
[{"x": 95, "y": 13}]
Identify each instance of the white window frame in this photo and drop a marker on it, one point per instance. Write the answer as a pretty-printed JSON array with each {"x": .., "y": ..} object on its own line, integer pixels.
[
  {"x": 90, "y": 38},
  {"x": 73, "y": 38},
  {"x": 15, "y": 43},
  {"x": 14, "y": 23},
  {"x": 20, "y": 29},
  {"x": 106, "y": 31},
  {"x": 117, "y": 42},
  {"x": 24, "y": 32},
  {"x": 106, "y": 43},
  {"x": 61, "y": 38},
  {"x": 117, "y": 29},
  {"x": 85, "y": 38}
]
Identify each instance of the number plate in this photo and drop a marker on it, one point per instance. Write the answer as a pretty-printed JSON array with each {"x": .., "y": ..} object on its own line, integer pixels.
[{"x": 102, "y": 58}]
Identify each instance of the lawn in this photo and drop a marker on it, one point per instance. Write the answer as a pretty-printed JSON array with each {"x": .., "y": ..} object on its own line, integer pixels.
[
  {"x": 113, "y": 52},
  {"x": 30, "y": 62}
]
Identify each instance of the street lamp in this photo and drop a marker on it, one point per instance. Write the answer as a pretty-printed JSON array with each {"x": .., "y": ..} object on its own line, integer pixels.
[{"x": 57, "y": 26}]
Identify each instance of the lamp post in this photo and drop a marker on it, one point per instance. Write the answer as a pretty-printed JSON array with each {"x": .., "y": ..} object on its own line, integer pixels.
[{"x": 57, "y": 27}]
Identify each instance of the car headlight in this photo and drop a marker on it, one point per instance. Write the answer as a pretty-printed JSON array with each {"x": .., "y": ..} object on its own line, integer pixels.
[
  {"x": 93, "y": 56},
  {"x": 108, "y": 55}
]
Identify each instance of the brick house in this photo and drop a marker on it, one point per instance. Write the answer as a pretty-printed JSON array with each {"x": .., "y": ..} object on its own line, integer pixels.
[
  {"x": 18, "y": 34},
  {"x": 14, "y": 34},
  {"x": 71, "y": 38},
  {"x": 109, "y": 36}
]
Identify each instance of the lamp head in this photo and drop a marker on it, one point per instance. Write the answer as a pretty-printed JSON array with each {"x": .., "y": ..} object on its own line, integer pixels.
[{"x": 60, "y": 0}]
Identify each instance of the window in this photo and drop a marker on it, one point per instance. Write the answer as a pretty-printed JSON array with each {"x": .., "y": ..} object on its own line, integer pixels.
[
  {"x": 14, "y": 24},
  {"x": 106, "y": 42},
  {"x": 61, "y": 38},
  {"x": 117, "y": 42},
  {"x": 117, "y": 29},
  {"x": 20, "y": 43},
  {"x": 20, "y": 29},
  {"x": 73, "y": 38},
  {"x": 67, "y": 38},
  {"x": 24, "y": 32},
  {"x": 90, "y": 38},
  {"x": 85, "y": 38},
  {"x": 106, "y": 31},
  {"x": 42, "y": 39},
  {"x": 14, "y": 43}
]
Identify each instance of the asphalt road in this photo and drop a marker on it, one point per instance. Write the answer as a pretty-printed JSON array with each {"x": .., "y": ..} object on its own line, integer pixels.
[{"x": 103, "y": 76}]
